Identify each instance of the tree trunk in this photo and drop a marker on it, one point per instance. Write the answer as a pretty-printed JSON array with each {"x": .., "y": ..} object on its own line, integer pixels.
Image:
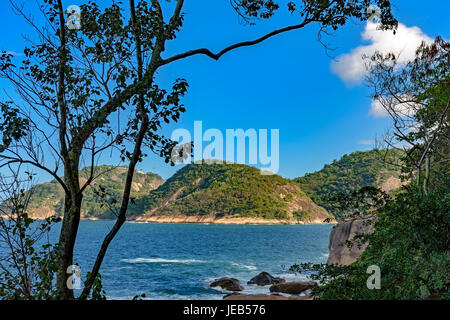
[
  {"x": 69, "y": 228},
  {"x": 427, "y": 174}
]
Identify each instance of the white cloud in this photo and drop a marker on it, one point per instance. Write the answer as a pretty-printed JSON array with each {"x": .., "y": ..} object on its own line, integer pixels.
[
  {"x": 377, "y": 110},
  {"x": 350, "y": 67},
  {"x": 366, "y": 142},
  {"x": 402, "y": 108}
]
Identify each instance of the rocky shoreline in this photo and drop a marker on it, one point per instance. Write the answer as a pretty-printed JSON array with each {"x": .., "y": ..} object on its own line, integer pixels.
[
  {"x": 200, "y": 220},
  {"x": 296, "y": 290},
  {"x": 211, "y": 219},
  {"x": 340, "y": 254}
]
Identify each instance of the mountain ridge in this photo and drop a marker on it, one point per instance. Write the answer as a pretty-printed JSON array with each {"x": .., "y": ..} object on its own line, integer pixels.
[
  {"x": 217, "y": 193},
  {"x": 222, "y": 193},
  {"x": 101, "y": 195},
  {"x": 352, "y": 172}
]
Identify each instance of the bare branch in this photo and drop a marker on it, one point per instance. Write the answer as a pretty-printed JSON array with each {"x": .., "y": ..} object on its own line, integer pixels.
[{"x": 216, "y": 56}]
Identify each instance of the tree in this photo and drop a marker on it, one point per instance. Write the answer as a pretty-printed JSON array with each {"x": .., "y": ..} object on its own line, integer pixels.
[
  {"x": 27, "y": 260},
  {"x": 362, "y": 202},
  {"x": 410, "y": 241},
  {"x": 74, "y": 83},
  {"x": 417, "y": 98},
  {"x": 410, "y": 245}
]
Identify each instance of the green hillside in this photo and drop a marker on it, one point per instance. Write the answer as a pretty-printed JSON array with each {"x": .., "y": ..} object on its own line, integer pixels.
[
  {"x": 223, "y": 190},
  {"x": 351, "y": 173},
  {"x": 231, "y": 190},
  {"x": 100, "y": 197}
]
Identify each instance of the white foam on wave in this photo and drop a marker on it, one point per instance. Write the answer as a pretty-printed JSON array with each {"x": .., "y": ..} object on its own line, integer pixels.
[
  {"x": 290, "y": 276},
  {"x": 243, "y": 266},
  {"x": 161, "y": 260},
  {"x": 186, "y": 261}
]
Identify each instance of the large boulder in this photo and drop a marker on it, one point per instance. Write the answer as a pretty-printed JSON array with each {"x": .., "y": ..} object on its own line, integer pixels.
[
  {"x": 264, "y": 279},
  {"x": 292, "y": 287},
  {"x": 340, "y": 253},
  {"x": 230, "y": 284}
]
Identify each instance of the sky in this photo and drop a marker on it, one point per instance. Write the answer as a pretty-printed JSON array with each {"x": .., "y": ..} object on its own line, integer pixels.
[{"x": 319, "y": 104}]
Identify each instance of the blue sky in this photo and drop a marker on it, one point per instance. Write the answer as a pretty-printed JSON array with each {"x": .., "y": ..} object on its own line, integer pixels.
[{"x": 285, "y": 83}]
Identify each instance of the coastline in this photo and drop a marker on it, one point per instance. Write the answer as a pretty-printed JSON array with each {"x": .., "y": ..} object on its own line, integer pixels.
[
  {"x": 204, "y": 220},
  {"x": 211, "y": 219}
]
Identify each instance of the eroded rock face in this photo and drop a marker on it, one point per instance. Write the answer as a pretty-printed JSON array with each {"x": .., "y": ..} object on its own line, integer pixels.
[
  {"x": 391, "y": 183},
  {"x": 230, "y": 284},
  {"x": 264, "y": 279},
  {"x": 340, "y": 253},
  {"x": 292, "y": 287}
]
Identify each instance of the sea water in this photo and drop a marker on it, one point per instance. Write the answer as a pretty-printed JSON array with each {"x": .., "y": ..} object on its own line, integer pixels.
[{"x": 179, "y": 261}]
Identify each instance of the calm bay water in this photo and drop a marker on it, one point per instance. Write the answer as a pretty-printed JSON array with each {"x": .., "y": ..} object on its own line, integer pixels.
[{"x": 179, "y": 261}]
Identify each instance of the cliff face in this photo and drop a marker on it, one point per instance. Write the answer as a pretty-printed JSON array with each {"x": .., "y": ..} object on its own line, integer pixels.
[{"x": 344, "y": 231}]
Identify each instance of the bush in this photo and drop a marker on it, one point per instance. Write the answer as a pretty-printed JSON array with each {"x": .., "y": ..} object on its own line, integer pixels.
[{"x": 410, "y": 244}]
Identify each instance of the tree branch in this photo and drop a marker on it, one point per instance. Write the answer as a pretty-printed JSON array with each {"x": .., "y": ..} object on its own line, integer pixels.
[
  {"x": 177, "y": 12},
  {"x": 217, "y": 56}
]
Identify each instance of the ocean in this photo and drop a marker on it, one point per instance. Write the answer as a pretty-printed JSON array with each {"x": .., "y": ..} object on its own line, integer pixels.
[{"x": 179, "y": 261}]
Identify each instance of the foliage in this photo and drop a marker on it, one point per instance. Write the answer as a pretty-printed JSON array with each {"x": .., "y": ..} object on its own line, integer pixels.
[
  {"x": 349, "y": 174},
  {"x": 73, "y": 84},
  {"x": 28, "y": 270},
  {"x": 416, "y": 95},
  {"x": 81, "y": 92},
  {"x": 27, "y": 259},
  {"x": 230, "y": 189},
  {"x": 411, "y": 241},
  {"x": 101, "y": 198},
  {"x": 410, "y": 245},
  {"x": 364, "y": 201},
  {"x": 302, "y": 216},
  {"x": 97, "y": 293},
  {"x": 330, "y": 14}
]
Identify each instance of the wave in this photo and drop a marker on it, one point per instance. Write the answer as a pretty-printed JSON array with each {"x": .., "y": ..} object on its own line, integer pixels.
[
  {"x": 186, "y": 261},
  {"x": 243, "y": 266},
  {"x": 161, "y": 260}
]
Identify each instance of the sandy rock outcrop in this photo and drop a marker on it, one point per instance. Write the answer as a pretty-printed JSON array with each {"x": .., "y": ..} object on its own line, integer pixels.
[
  {"x": 392, "y": 183},
  {"x": 213, "y": 219}
]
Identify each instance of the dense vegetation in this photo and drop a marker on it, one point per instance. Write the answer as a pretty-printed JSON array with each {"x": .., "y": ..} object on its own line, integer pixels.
[
  {"x": 72, "y": 82},
  {"x": 231, "y": 189},
  {"x": 101, "y": 198},
  {"x": 207, "y": 189},
  {"x": 410, "y": 243},
  {"x": 350, "y": 173},
  {"x": 224, "y": 190}
]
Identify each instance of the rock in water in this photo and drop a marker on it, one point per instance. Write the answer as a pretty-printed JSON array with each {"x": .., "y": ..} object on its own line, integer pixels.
[
  {"x": 292, "y": 287},
  {"x": 344, "y": 231},
  {"x": 230, "y": 284},
  {"x": 264, "y": 279}
]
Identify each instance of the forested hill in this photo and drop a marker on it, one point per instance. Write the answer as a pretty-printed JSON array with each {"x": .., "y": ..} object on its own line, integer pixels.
[
  {"x": 350, "y": 173},
  {"x": 222, "y": 191},
  {"x": 230, "y": 191},
  {"x": 101, "y": 198}
]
